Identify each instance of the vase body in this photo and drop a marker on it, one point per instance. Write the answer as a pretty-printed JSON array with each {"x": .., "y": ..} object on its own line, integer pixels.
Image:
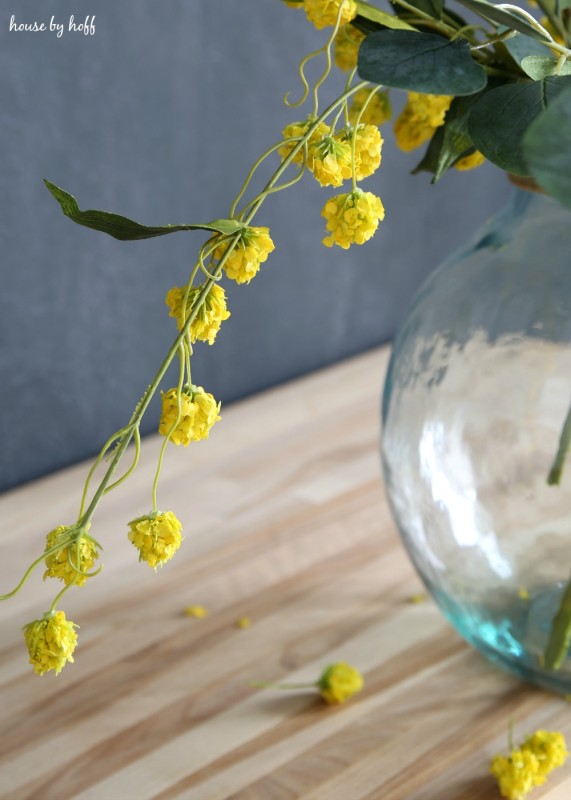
[{"x": 476, "y": 395}]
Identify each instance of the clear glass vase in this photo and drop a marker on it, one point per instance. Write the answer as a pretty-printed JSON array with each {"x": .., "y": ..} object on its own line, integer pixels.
[{"x": 476, "y": 397}]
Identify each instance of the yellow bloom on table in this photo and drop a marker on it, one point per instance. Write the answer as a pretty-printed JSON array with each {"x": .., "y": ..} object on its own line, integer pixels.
[
  {"x": 250, "y": 252},
  {"x": 516, "y": 774},
  {"x": 211, "y": 314},
  {"x": 420, "y": 117},
  {"x": 377, "y": 111},
  {"x": 330, "y": 161},
  {"x": 529, "y": 765},
  {"x": 475, "y": 159},
  {"x": 50, "y": 642},
  {"x": 339, "y": 682},
  {"x": 549, "y": 748},
  {"x": 352, "y": 218},
  {"x": 323, "y": 13},
  {"x": 296, "y": 130},
  {"x": 368, "y": 147},
  {"x": 346, "y": 47},
  {"x": 75, "y": 555},
  {"x": 243, "y": 622},
  {"x": 198, "y": 612},
  {"x": 157, "y": 536},
  {"x": 197, "y": 414}
]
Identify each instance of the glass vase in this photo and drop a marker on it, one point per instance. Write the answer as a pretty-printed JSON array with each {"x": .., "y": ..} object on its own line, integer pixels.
[{"x": 476, "y": 397}]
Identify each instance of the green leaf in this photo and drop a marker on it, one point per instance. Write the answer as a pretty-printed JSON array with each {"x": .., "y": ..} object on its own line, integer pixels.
[
  {"x": 381, "y": 17},
  {"x": 502, "y": 16},
  {"x": 451, "y": 141},
  {"x": 547, "y": 151},
  {"x": 127, "y": 229},
  {"x": 420, "y": 62},
  {"x": 500, "y": 118},
  {"x": 432, "y": 7},
  {"x": 538, "y": 67},
  {"x": 520, "y": 46}
]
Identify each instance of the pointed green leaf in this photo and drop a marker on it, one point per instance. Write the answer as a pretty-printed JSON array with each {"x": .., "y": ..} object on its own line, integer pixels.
[
  {"x": 547, "y": 150},
  {"x": 538, "y": 67},
  {"x": 451, "y": 141},
  {"x": 381, "y": 17},
  {"x": 420, "y": 62},
  {"x": 502, "y": 16},
  {"x": 499, "y": 119},
  {"x": 127, "y": 229}
]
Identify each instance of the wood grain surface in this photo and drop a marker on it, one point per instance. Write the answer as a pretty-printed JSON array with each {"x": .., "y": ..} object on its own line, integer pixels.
[{"x": 285, "y": 523}]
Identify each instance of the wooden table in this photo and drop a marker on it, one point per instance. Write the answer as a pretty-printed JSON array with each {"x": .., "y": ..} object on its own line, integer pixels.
[{"x": 285, "y": 523}]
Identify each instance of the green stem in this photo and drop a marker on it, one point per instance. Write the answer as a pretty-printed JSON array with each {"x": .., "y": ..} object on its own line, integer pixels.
[
  {"x": 173, "y": 426},
  {"x": 556, "y": 471},
  {"x": 560, "y": 635}
]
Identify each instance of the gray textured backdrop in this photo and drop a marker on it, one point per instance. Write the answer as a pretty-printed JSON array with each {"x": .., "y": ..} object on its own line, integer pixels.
[{"x": 159, "y": 116}]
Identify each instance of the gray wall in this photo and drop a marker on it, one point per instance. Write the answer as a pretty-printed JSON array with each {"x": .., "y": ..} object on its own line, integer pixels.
[{"x": 159, "y": 116}]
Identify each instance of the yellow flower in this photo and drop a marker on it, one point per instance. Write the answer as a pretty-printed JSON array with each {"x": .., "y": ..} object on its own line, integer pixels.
[
  {"x": 422, "y": 114},
  {"x": 296, "y": 130},
  {"x": 339, "y": 682},
  {"x": 74, "y": 548},
  {"x": 368, "y": 146},
  {"x": 51, "y": 642},
  {"x": 346, "y": 47},
  {"x": 475, "y": 159},
  {"x": 198, "y": 413},
  {"x": 211, "y": 314},
  {"x": 330, "y": 161},
  {"x": 243, "y": 622},
  {"x": 157, "y": 536},
  {"x": 549, "y": 748},
  {"x": 352, "y": 218},
  {"x": 252, "y": 249},
  {"x": 199, "y": 612},
  {"x": 516, "y": 774},
  {"x": 378, "y": 109},
  {"x": 323, "y": 13}
]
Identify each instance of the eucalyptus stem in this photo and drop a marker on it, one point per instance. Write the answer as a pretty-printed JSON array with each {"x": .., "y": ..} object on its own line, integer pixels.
[
  {"x": 556, "y": 471},
  {"x": 560, "y": 634}
]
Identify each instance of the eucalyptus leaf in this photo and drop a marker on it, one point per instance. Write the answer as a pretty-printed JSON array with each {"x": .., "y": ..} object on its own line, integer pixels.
[
  {"x": 420, "y": 62},
  {"x": 502, "y": 16},
  {"x": 500, "y": 118},
  {"x": 432, "y": 7},
  {"x": 520, "y": 46},
  {"x": 547, "y": 151},
  {"x": 538, "y": 67},
  {"x": 451, "y": 141},
  {"x": 381, "y": 17},
  {"x": 127, "y": 229}
]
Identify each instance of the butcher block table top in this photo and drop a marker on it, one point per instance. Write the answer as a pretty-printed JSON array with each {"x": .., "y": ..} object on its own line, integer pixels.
[{"x": 285, "y": 522}]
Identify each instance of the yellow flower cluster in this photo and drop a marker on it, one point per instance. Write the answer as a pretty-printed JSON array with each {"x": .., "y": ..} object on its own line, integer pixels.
[
  {"x": 346, "y": 47},
  {"x": 323, "y": 13},
  {"x": 475, "y": 159},
  {"x": 211, "y": 314},
  {"x": 420, "y": 117},
  {"x": 339, "y": 682},
  {"x": 330, "y": 161},
  {"x": 378, "y": 109},
  {"x": 368, "y": 147},
  {"x": 252, "y": 250},
  {"x": 352, "y": 218},
  {"x": 529, "y": 765},
  {"x": 157, "y": 537},
  {"x": 198, "y": 413},
  {"x": 75, "y": 549},
  {"x": 296, "y": 130},
  {"x": 50, "y": 642}
]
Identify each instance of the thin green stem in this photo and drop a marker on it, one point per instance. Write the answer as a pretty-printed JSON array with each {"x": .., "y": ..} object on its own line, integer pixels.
[
  {"x": 560, "y": 634},
  {"x": 96, "y": 463},
  {"x": 29, "y": 571},
  {"x": 445, "y": 29},
  {"x": 59, "y": 595},
  {"x": 556, "y": 471},
  {"x": 133, "y": 467},
  {"x": 173, "y": 426}
]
